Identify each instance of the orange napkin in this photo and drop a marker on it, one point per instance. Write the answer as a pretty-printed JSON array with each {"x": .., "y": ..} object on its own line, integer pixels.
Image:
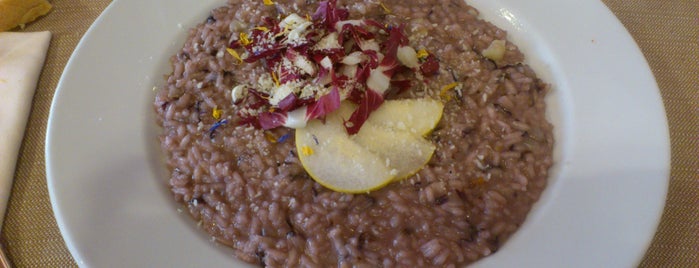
[{"x": 21, "y": 60}]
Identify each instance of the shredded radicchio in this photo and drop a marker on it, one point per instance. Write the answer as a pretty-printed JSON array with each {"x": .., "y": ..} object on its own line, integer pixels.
[
  {"x": 327, "y": 14},
  {"x": 367, "y": 105},
  {"x": 320, "y": 61}
]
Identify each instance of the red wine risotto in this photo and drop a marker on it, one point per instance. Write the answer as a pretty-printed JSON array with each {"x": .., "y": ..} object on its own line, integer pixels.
[{"x": 226, "y": 112}]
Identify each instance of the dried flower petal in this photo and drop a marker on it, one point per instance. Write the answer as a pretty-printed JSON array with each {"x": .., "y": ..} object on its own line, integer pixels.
[
  {"x": 385, "y": 9},
  {"x": 234, "y": 54},
  {"x": 422, "y": 54},
  {"x": 212, "y": 130},
  {"x": 306, "y": 150},
  {"x": 216, "y": 113},
  {"x": 243, "y": 39},
  {"x": 283, "y": 138},
  {"x": 444, "y": 93}
]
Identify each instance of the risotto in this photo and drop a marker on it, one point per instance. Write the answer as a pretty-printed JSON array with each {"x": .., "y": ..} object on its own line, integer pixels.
[{"x": 247, "y": 188}]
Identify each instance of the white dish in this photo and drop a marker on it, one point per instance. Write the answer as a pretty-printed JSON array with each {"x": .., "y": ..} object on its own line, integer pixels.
[{"x": 607, "y": 191}]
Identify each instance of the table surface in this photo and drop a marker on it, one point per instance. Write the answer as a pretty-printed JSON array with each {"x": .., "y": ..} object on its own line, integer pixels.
[{"x": 667, "y": 32}]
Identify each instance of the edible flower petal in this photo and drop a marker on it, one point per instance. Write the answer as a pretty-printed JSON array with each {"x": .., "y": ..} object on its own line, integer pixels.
[
  {"x": 444, "y": 93},
  {"x": 216, "y": 113},
  {"x": 270, "y": 137},
  {"x": 422, "y": 54},
  {"x": 243, "y": 38},
  {"x": 212, "y": 130},
  {"x": 234, "y": 54},
  {"x": 283, "y": 138},
  {"x": 385, "y": 8},
  {"x": 307, "y": 150},
  {"x": 275, "y": 78}
]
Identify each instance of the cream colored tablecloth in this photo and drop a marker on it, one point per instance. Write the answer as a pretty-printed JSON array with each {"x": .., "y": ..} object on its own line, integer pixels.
[{"x": 666, "y": 30}]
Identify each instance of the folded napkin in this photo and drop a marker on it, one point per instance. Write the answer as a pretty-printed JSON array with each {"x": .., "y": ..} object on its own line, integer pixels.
[{"x": 21, "y": 59}]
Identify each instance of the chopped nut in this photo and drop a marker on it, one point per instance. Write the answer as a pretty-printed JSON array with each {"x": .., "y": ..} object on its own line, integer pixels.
[{"x": 495, "y": 51}]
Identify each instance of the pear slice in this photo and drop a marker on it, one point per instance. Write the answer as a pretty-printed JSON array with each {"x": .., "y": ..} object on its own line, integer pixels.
[
  {"x": 335, "y": 161},
  {"x": 384, "y": 150},
  {"x": 404, "y": 152},
  {"x": 418, "y": 116}
]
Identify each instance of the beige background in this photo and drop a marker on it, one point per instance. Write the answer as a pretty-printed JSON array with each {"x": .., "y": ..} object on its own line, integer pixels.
[{"x": 666, "y": 30}]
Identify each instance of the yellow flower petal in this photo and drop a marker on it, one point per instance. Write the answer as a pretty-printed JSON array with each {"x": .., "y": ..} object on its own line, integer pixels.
[
  {"x": 234, "y": 54},
  {"x": 444, "y": 93},
  {"x": 268, "y": 2},
  {"x": 270, "y": 137},
  {"x": 243, "y": 38},
  {"x": 422, "y": 53},
  {"x": 274, "y": 77},
  {"x": 385, "y": 9},
  {"x": 306, "y": 150},
  {"x": 216, "y": 113}
]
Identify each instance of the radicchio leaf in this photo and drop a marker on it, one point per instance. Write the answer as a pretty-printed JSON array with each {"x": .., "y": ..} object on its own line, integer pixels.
[
  {"x": 258, "y": 99},
  {"x": 401, "y": 85},
  {"x": 287, "y": 72},
  {"x": 356, "y": 96},
  {"x": 249, "y": 120},
  {"x": 430, "y": 66},
  {"x": 371, "y": 101},
  {"x": 328, "y": 14},
  {"x": 374, "y": 23},
  {"x": 270, "y": 120},
  {"x": 324, "y": 105},
  {"x": 335, "y": 54},
  {"x": 396, "y": 38},
  {"x": 290, "y": 102},
  {"x": 263, "y": 44},
  {"x": 357, "y": 33},
  {"x": 365, "y": 69},
  {"x": 235, "y": 44}
]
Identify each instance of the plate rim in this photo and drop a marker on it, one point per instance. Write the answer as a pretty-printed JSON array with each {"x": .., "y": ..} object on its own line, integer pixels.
[{"x": 51, "y": 128}]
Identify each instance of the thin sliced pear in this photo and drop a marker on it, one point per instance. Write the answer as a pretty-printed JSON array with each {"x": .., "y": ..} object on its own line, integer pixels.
[
  {"x": 404, "y": 152},
  {"x": 386, "y": 149},
  {"x": 335, "y": 161},
  {"x": 418, "y": 116}
]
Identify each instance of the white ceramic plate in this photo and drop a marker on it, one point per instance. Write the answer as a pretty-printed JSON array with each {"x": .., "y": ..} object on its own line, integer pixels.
[{"x": 602, "y": 206}]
